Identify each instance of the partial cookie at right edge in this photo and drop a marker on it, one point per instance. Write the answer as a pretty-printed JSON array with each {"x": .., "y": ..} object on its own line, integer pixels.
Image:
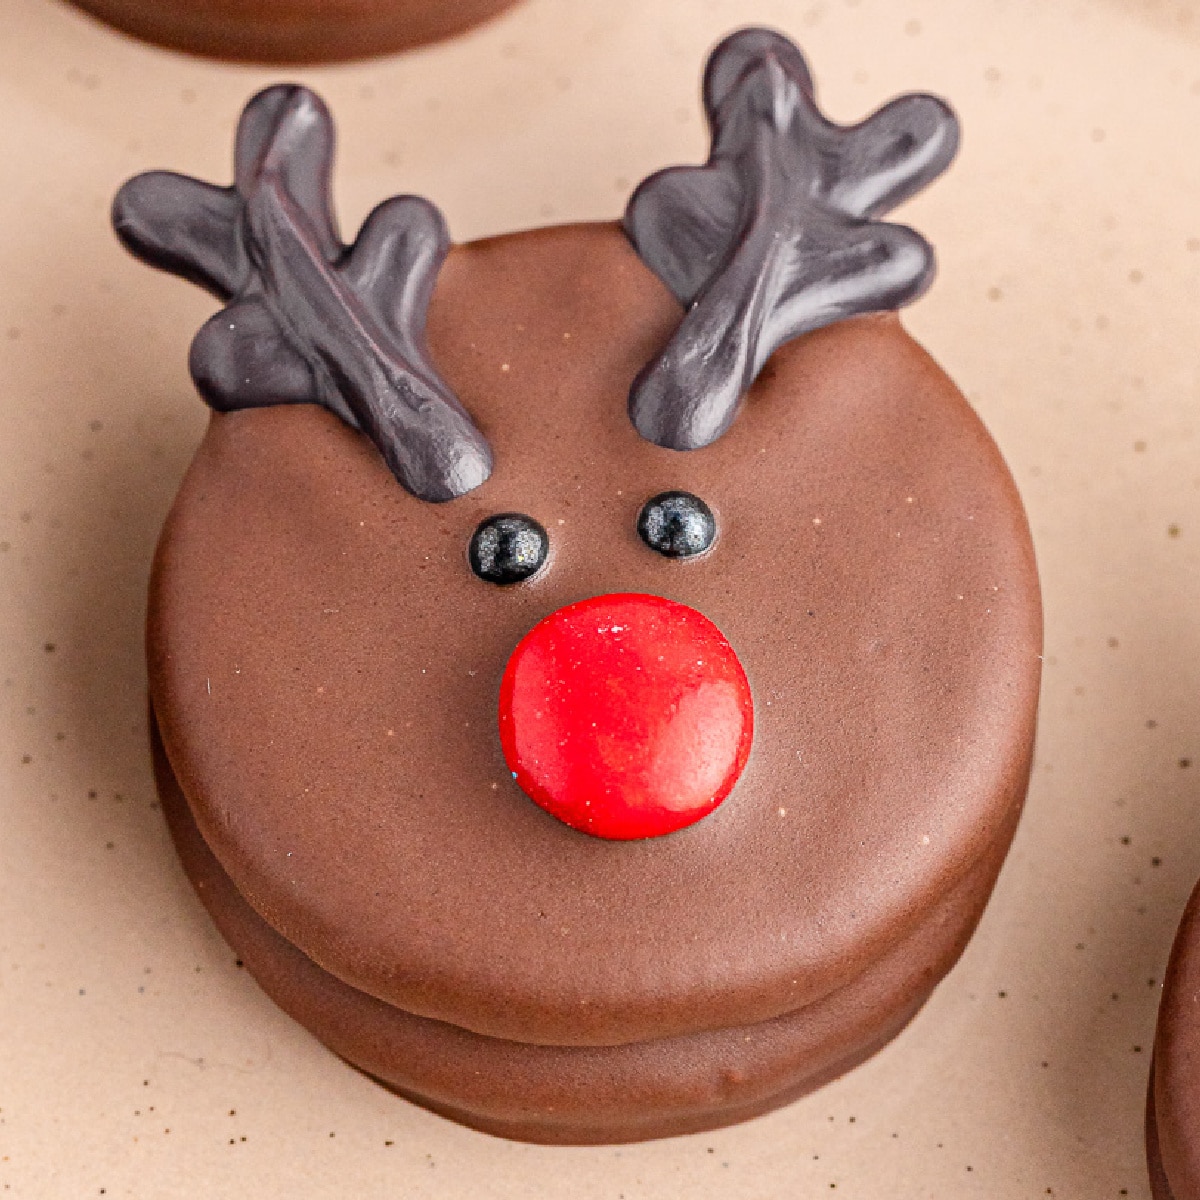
[{"x": 1173, "y": 1106}]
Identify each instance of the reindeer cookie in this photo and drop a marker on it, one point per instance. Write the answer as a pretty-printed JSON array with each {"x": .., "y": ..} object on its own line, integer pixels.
[
  {"x": 596, "y": 668},
  {"x": 293, "y": 31}
]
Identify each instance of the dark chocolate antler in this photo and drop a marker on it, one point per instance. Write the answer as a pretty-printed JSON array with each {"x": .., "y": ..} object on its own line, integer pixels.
[
  {"x": 775, "y": 235},
  {"x": 306, "y": 319}
]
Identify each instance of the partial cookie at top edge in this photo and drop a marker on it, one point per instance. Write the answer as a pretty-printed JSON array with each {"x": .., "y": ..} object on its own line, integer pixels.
[{"x": 239, "y": 30}]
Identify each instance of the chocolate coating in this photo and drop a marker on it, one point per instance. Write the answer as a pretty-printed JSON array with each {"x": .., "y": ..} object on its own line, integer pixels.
[
  {"x": 331, "y": 719},
  {"x": 589, "y": 1094},
  {"x": 1173, "y": 1110},
  {"x": 293, "y": 31},
  {"x": 776, "y": 234}
]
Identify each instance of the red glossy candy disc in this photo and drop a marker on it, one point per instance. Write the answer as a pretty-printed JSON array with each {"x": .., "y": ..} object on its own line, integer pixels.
[{"x": 626, "y": 716}]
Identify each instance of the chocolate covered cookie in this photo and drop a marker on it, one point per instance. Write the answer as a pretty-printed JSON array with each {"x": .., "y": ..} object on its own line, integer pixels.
[
  {"x": 1173, "y": 1106},
  {"x": 596, "y": 667},
  {"x": 293, "y": 31}
]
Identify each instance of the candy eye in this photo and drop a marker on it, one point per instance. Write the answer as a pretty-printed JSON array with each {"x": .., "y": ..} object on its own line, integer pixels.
[
  {"x": 508, "y": 548},
  {"x": 677, "y": 524}
]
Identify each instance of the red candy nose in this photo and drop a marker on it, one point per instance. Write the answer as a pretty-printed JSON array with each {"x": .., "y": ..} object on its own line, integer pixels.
[{"x": 626, "y": 716}]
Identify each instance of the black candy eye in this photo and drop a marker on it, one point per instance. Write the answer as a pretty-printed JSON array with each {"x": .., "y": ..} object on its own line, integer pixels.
[
  {"x": 508, "y": 548},
  {"x": 677, "y": 524}
]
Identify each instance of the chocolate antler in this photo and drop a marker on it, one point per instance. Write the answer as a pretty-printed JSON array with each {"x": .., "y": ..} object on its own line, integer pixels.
[
  {"x": 306, "y": 319},
  {"x": 775, "y": 235}
]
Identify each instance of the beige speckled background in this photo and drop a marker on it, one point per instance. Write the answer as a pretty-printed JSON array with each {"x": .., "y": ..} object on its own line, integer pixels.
[{"x": 137, "y": 1060}]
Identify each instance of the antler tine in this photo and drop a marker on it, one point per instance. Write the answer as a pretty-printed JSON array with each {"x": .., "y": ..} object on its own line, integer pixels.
[
  {"x": 774, "y": 236},
  {"x": 287, "y": 130},
  {"x": 183, "y": 226},
  {"x": 893, "y": 154},
  {"x": 743, "y": 51}
]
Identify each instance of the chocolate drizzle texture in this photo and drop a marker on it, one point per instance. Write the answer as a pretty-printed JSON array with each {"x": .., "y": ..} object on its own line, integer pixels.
[
  {"x": 777, "y": 234},
  {"x": 307, "y": 319}
]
